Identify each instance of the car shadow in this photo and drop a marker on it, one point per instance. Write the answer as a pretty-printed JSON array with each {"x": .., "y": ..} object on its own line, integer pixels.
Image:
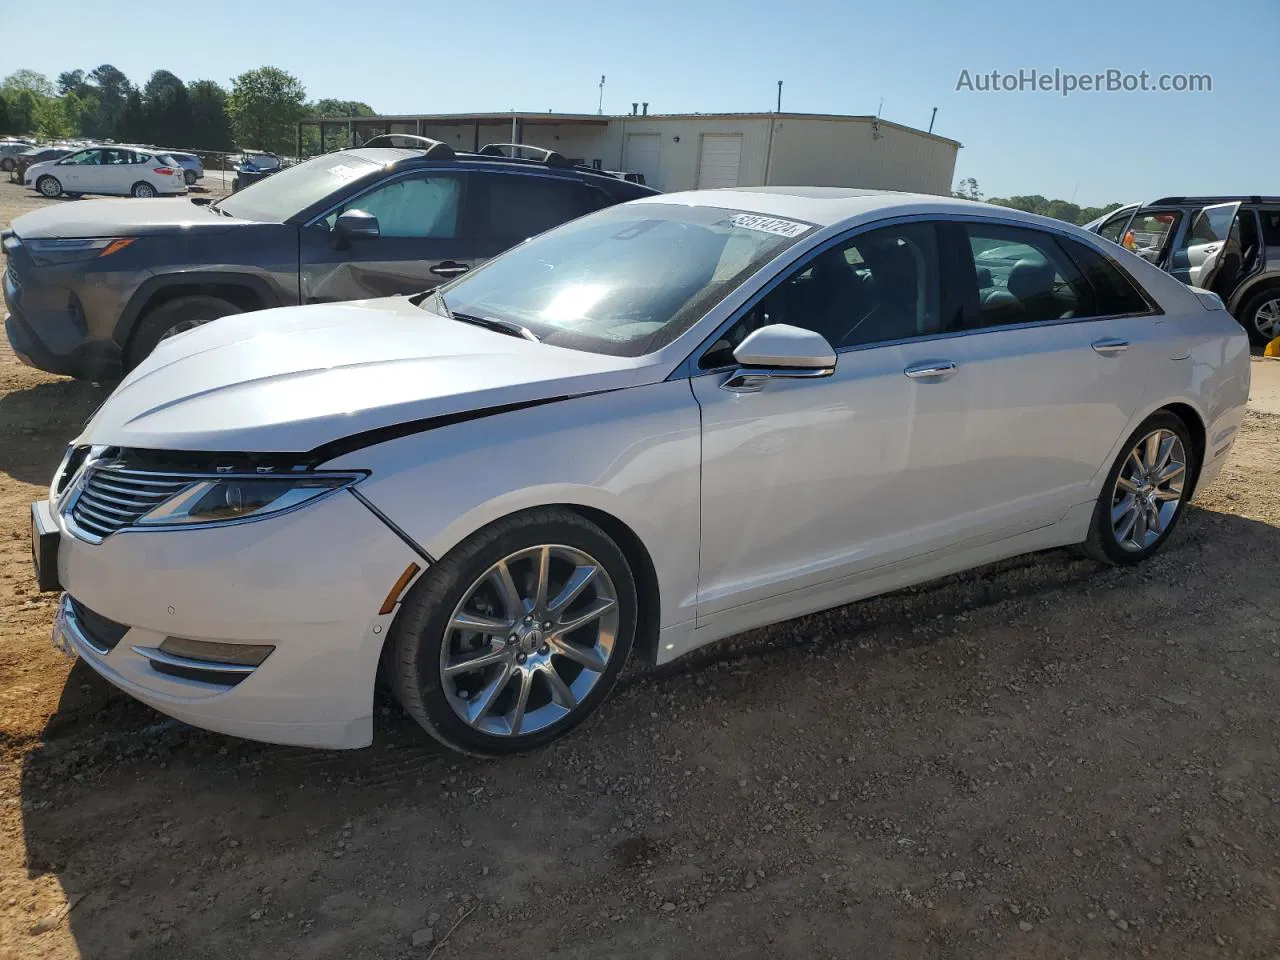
[
  {"x": 41, "y": 421},
  {"x": 158, "y": 832}
]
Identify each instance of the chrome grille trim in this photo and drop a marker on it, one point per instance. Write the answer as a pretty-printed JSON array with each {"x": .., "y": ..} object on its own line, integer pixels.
[{"x": 109, "y": 498}]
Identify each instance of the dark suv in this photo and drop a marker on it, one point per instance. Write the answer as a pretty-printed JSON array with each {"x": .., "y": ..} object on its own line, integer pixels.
[
  {"x": 1230, "y": 245},
  {"x": 93, "y": 286}
]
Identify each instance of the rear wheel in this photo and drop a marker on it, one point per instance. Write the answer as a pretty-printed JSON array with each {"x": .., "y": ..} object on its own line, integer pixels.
[
  {"x": 143, "y": 190},
  {"x": 517, "y": 635},
  {"x": 1261, "y": 316},
  {"x": 171, "y": 318},
  {"x": 1145, "y": 492},
  {"x": 7, "y": 164},
  {"x": 189, "y": 176},
  {"x": 49, "y": 187}
]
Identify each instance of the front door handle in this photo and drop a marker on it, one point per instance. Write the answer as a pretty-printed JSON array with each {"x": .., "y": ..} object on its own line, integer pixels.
[
  {"x": 931, "y": 370},
  {"x": 1110, "y": 346},
  {"x": 449, "y": 268}
]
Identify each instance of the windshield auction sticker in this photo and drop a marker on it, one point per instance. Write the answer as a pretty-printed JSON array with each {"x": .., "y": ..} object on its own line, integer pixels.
[
  {"x": 775, "y": 225},
  {"x": 344, "y": 172}
]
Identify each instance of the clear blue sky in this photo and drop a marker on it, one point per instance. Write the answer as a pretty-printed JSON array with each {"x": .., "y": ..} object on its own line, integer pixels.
[{"x": 836, "y": 56}]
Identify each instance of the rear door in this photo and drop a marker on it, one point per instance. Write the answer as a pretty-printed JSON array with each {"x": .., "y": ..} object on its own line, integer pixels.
[
  {"x": 1212, "y": 246},
  {"x": 511, "y": 207},
  {"x": 1053, "y": 383},
  {"x": 422, "y": 240}
]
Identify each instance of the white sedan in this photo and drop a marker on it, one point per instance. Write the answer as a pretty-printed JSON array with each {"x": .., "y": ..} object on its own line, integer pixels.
[
  {"x": 119, "y": 171},
  {"x": 652, "y": 427}
]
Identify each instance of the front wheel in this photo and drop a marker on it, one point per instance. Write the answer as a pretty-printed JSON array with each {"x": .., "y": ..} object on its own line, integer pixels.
[
  {"x": 49, "y": 187},
  {"x": 517, "y": 635},
  {"x": 171, "y": 318},
  {"x": 143, "y": 190},
  {"x": 1261, "y": 316},
  {"x": 1145, "y": 492}
]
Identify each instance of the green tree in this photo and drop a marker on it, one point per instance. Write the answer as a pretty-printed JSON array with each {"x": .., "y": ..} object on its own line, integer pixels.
[
  {"x": 111, "y": 89},
  {"x": 210, "y": 125},
  {"x": 22, "y": 112},
  {"x": 34, "y": 83},
  {"x": 329, "y": 107},
  {"x": 131, "y": 126},
  {"x": 5, "y": 122},
  {"x": 167, "y": 110},
  {"x": 265, "y": 106},
  {"x": 52, "y": 116},
  {"x": 73, "y": 81},
  {"x": 967, "y": 189}
]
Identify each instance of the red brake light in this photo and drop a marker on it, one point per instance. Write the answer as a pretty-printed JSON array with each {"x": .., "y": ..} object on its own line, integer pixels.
[{"x": 164, "y": 171}]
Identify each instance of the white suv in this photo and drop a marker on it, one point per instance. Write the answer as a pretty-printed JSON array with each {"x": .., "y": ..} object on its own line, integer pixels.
[{"x": 123, "y": 171}]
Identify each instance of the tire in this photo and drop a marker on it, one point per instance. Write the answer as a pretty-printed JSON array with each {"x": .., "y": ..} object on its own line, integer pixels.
[
  {"x": 190, "y": 177},
  {"x": 173, "y": 317},
  {"x": 1261, "y": 316},
  {"x": 466, "y": 582},
  {"x": 49, "y": 187},
  {"x": 1111, "y": 538},
  {"x": 7, "y": 164},
  {"x": 143, "y": 190}
]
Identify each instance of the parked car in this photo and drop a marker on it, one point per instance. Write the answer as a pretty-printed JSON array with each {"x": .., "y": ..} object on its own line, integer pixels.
[
  {"x": 192, "y": 166},
  {"x": 35, "y": 155},
  {"x": 660, "y": 424},
  {"x": 122, "y": 171},
  {"x": 368, "y": 222},
  {"x": 9, "y": 150},
  {"x": 1178, "y": 234},
  {"x": 252, "y": 166}
]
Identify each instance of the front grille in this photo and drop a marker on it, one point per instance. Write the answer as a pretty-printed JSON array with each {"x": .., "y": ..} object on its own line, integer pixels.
[
  {"x": 112, "y": 498},
  {"x": 12, "y": 276}
]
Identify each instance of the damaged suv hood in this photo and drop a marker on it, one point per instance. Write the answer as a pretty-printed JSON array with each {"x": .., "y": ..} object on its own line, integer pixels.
[{"x": 294, "y": 379}]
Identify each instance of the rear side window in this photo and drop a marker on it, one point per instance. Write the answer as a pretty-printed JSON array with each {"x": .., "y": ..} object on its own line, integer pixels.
[
  {"x": 1024, "y": 276},
  {"x": 1270, "y": 227},
  {"x": 1113, "y": 291},
  {"x": 519, "y": 207}
]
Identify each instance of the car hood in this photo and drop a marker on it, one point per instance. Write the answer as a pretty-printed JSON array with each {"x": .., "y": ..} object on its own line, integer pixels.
[
  {"x": 114, "y": 218},
  {"x": 294, "y": 379}
]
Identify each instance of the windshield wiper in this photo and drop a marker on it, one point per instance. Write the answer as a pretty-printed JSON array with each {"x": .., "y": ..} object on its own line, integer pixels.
[{"x": 509, "y": 327}]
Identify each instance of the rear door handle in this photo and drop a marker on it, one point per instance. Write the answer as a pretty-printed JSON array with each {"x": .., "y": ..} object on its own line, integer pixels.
[
  {"x": 931, "y": 370},
  {"x": 449, "y": 268},
  {"x": 1109, "y": 346}
]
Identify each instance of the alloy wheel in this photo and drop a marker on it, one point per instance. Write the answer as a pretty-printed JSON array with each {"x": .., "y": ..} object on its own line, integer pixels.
[
  {"x": 1266, "y": 320},
  {"x": 529, "y": 640},
  {"x": 182, "y": 326},
  {"x": 1148, "y": 490}
]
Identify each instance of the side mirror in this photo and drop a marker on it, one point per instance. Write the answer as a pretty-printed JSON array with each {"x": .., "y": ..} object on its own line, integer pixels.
[
  {"x": 355, "y": 225},
  {"x": 780, "y": 351}
]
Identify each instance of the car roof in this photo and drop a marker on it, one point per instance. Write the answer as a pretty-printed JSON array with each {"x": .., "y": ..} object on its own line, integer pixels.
[
  {"x": 384, "y": 156},
  {"x": 827, "y": 206}
]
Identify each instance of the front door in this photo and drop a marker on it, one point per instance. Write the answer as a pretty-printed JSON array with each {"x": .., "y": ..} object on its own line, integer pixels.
[
  {"x": 806, "y": 482},
  {"x": 81, "y": 172},
  {"x": 422, "y": 241}
]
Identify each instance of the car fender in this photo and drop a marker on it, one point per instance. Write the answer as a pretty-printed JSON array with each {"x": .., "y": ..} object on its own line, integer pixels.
[
  {"x": 1259, "y": 281},
  {"x": 633, "y": 454},
  {"x": 266, "y": 291}
]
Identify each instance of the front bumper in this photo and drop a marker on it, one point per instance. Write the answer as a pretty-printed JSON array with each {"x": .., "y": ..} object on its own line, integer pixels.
[
  {"x": 309, "y": 583},
  {"x": 47, "y": 328}
]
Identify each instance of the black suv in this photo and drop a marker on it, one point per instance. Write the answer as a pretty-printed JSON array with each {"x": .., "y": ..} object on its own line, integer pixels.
[{"x": 93, "y": 286}]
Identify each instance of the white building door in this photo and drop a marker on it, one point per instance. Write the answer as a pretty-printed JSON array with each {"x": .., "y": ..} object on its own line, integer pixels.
[
  {"x": 720, "y": 159},
  {"x": 644, "y": 155}
]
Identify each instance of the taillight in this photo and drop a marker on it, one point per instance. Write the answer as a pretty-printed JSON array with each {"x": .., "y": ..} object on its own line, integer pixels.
[{"x": 164, "y": 171}]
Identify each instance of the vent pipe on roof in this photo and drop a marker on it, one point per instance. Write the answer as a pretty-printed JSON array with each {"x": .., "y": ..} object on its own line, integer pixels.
[
  {"x": 645, "y": 111},
  {"x": 635, "y": 107}
]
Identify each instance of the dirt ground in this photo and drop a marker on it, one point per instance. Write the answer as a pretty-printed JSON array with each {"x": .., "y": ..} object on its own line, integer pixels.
[{"x": 1041, "y": 758}]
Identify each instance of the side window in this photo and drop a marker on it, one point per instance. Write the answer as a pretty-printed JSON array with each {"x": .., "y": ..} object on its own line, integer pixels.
[
  {"x": 1113, "y": 291},
  {"x": 1111, "y": 229},
  {"x": 520, "y": 206},
  {"x": 1149, "y": 233},
  {"x": 879, "y": 286},
  {"x": 1270, "y": 227},
  {"x": 1024, "y": 276},
  {"x": 422, "y": 207},
  {"x": 85, "y": 158}
]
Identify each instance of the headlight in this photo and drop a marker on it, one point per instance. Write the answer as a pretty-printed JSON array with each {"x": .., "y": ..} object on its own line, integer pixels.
[
  {"x": 45, "y": 252},
  {"x": 242, "y": 498}
]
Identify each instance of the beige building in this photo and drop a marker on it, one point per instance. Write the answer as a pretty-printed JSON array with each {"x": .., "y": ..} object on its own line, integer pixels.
[{"x": 687, "y": 151}]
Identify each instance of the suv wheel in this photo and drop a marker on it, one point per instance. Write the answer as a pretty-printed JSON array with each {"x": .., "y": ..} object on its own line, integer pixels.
[
  {"x": 171, "y": 318},
  {"x": 1261, "y": 316}
]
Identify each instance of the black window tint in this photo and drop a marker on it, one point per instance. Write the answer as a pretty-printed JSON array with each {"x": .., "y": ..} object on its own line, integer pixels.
[
  {"x": 879, "y": 286},
  {"x": 522, "y": 206},
  {"x": 1114, "y": 292},
  {"x": 1024, "y": 276},
  {"x": 1270, "y": 227}
]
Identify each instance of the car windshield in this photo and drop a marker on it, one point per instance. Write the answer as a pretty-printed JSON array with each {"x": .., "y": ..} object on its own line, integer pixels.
[
  {"x": 626, "y": 280},
  {"x": 287, "y": 193}
]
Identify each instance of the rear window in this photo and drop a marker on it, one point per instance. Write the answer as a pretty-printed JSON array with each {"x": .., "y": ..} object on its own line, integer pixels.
[
  {"x": 1115, "y": 294},
  {"x": 282, "y": 195}
]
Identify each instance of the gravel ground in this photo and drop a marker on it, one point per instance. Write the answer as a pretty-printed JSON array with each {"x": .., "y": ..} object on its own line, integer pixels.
[{"x": 1041, "y": 758}]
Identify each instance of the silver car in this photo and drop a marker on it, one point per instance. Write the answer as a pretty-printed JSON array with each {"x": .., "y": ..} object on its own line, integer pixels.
[{"x": 654, "y": 426}]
